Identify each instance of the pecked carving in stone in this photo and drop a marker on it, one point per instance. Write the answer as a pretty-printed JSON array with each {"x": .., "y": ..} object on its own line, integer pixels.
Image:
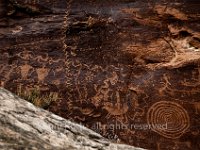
[{"x": 118, "y": 66}]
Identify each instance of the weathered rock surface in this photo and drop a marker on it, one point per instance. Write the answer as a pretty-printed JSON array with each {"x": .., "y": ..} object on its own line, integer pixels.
[
  {"x": 24, "y": 126},
  {"x": 122, "y": 68}
]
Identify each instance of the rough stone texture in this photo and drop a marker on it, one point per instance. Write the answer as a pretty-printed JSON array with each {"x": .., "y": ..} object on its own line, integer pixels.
[
  {"x": 121, "y": 67},
  {"x": 24, "y": 126}
]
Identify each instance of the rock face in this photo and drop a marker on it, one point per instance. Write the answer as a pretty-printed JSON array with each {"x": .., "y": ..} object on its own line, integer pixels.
[
  {"x": 127, "y": 69},
  {"x": 24, "y": 126}
]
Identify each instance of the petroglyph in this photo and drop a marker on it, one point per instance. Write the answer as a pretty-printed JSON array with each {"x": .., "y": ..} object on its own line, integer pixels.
[
  {"x": 25, "y": 70},
  {"x": 109, "y": 61},
  {"x": 172, "y": 115}
]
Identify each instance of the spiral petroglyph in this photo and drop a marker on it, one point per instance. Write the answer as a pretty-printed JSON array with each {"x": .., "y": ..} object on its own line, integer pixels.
[{"x": 172, "y": 115}]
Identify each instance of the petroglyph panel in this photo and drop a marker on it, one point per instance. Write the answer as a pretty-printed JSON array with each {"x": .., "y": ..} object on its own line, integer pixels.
[{"x": 120, "y": 67}]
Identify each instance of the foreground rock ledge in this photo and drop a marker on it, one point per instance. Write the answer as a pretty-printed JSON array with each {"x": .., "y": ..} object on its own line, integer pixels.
[{"x": 24, "y": 126}]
